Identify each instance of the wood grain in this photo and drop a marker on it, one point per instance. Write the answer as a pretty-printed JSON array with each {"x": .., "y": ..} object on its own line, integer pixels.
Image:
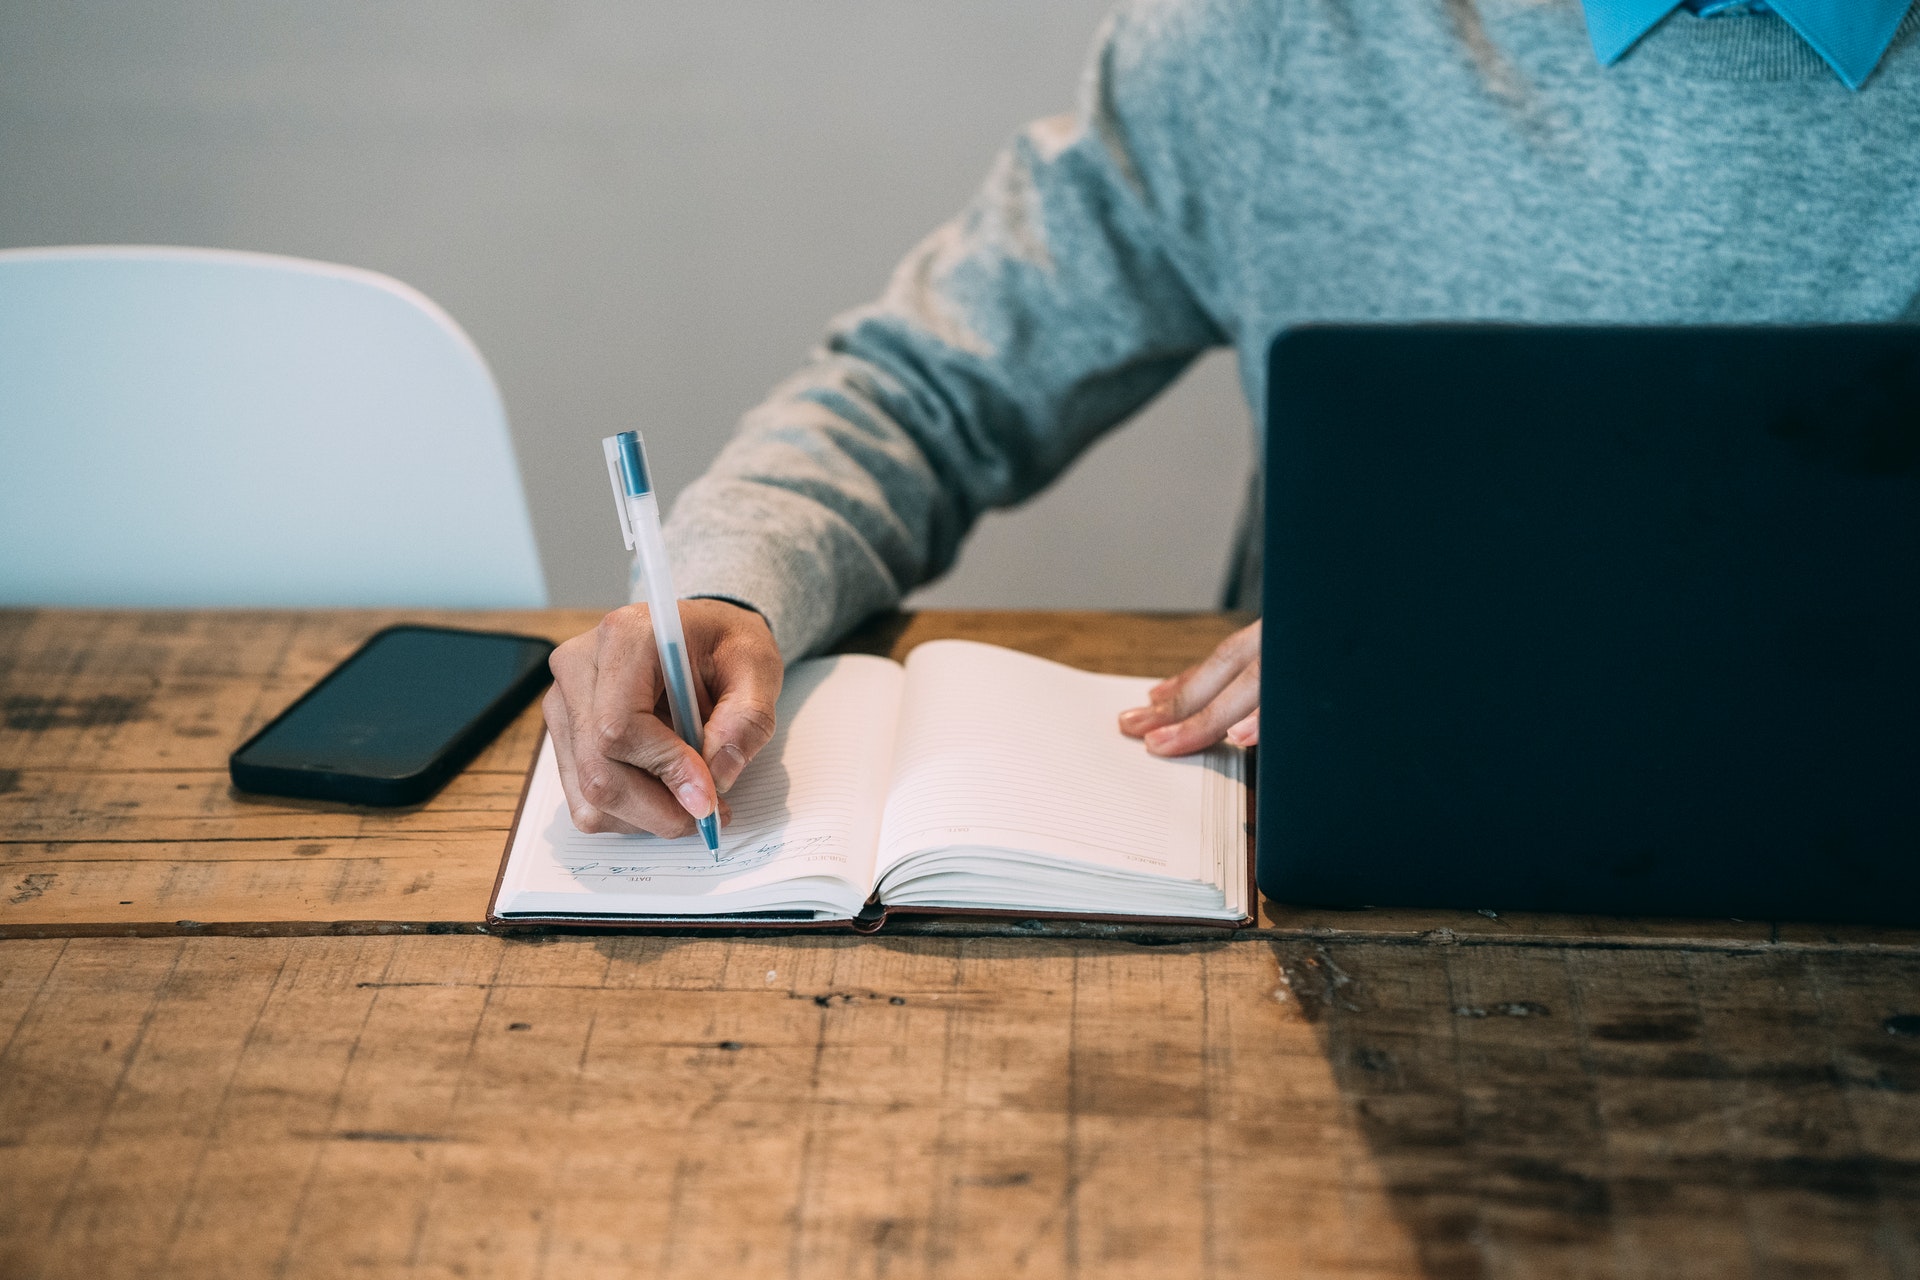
[{"x": 474, "y": 1106}]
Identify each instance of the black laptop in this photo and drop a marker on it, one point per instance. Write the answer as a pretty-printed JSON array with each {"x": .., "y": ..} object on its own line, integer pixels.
[{"x": 1611, "y": 620}]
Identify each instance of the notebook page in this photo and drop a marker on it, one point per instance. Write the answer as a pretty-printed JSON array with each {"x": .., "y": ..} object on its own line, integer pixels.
[
  {"x": 1003, "y": 750},
  {"x": 805, "y": 825}
]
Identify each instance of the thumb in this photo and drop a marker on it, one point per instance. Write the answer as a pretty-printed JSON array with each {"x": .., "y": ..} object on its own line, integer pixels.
[
  {"x": 742, "y": 722},
  {"x": 658, "y": 750}
]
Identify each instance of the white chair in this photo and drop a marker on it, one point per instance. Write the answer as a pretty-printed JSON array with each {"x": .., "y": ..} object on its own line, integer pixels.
[{"x": 192, "y": 427}]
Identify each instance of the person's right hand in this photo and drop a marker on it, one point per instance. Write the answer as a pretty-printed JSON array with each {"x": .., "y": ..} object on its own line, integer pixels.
[{"x": 623, "y": 766}]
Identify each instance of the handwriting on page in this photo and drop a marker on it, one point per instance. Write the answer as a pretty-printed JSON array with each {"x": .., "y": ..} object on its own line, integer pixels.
[{"x": 738, "y": 857}]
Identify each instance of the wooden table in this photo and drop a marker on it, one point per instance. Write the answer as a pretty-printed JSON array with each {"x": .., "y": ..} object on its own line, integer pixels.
[{"x": 245, "y": 1037}]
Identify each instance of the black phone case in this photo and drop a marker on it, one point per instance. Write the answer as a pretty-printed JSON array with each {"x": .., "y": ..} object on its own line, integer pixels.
[{"x": 389, "y": 791}]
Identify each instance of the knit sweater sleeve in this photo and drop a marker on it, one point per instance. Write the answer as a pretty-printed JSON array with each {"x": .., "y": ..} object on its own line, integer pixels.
[{"x": 1008, "y": 340}]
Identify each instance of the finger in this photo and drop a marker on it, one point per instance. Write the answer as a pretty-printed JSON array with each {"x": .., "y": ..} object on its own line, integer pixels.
[
  {"x": 625, "y": 726},
  {"x": 607, "y": 795},
  {"x": 1208, "y": 725},
  {"x": 651, "y": 771},
  {"x": 604, "y": 794},
  {"x": 745, "y": 676},
  {"x": 1247, "y": 732},
  {"x": 560, "y": 728},
  {"x": 1179, "y": 697},
  {"x": 629, "y": 798},
  {"x": 628, "y": 794},
  {"x": 627, "y": 685},
  {"x": 1136, "y": 722},
  {"x": 572, "y": 667},
  {"x": 620, "y": 797},
  {"x": 1236, "y": 650},
  {"x": 1141, "y": 720},
  {"x": 1199, "y": 685}
]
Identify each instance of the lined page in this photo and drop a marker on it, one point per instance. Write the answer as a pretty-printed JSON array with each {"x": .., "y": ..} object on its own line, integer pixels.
[
  {"x": 805, "y": 826},
  {"x": 1003, "y": 750}
]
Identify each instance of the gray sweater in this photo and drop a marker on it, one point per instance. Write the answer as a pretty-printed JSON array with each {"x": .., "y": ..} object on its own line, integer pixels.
[{"x": 1238, "y": 166}]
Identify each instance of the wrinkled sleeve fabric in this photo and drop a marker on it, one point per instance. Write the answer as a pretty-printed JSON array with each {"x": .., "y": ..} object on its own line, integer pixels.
[{"x": 1048, "y": 311}]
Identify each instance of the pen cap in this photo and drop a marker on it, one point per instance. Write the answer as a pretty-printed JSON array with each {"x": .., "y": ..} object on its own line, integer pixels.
[{"x": 626, "y": 457}]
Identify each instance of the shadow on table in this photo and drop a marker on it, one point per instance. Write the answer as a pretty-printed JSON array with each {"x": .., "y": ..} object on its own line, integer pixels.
[{"x": 1630, "y": 1110}]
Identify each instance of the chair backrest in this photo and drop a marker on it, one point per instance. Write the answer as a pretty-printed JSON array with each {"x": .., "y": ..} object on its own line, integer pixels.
[{"x": 191, "y": 427}]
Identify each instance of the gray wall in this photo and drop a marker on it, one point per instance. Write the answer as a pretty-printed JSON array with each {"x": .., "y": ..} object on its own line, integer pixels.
[{"x": 642, "y": 212}]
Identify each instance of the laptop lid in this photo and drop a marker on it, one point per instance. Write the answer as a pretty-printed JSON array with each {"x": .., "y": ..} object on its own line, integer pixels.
[{"x": 1609, "y": 620}]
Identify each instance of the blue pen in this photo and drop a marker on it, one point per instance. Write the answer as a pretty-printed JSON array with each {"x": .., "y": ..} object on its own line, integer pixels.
[{"x": 640, "y": 526}]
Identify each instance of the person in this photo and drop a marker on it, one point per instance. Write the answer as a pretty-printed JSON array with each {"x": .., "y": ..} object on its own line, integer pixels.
[{"x": 1235, "y": 167}]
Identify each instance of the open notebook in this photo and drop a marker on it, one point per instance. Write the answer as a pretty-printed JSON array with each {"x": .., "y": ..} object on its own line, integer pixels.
[{"x": 972, "y": 780}]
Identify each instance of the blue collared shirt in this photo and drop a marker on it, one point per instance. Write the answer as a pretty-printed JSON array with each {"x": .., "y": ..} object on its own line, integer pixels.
[{"x": 1850, "y": 35}]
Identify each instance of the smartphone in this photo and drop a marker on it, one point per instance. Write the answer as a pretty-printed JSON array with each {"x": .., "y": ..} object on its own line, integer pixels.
[{"x": 403, "y": 714}]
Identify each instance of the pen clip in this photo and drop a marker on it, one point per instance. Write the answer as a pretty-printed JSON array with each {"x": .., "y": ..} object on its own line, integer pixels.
[{"x": 611, "y": 446}]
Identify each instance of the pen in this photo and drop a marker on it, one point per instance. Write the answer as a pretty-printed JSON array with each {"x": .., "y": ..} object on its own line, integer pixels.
[{"x": 640, "y": 526}]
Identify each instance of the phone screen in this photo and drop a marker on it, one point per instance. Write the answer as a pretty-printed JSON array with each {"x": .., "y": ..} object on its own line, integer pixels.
[{"x": 400, "y": 706}]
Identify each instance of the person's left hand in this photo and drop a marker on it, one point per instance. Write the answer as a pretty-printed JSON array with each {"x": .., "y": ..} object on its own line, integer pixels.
[{"x": 1219, "y": 698}]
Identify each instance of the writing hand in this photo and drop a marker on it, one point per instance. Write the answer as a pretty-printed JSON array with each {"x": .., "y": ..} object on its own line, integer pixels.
[
  {"x": 623, "y": 766},
  {"x": 1219, "y": 698}
]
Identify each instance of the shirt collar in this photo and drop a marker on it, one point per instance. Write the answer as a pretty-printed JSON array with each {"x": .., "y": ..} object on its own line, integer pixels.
[{"x": 1850, "y": 35}]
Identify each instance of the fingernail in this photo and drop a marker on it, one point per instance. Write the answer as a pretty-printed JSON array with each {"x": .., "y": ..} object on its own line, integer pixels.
[
  {"x": 693, "y": 799},
  {"x": 726, "y": 764},
  {"x": 1162, "y": 737},
  {"x": 1132, "y": 720},
  {"x": 1238, "y": 735}
]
